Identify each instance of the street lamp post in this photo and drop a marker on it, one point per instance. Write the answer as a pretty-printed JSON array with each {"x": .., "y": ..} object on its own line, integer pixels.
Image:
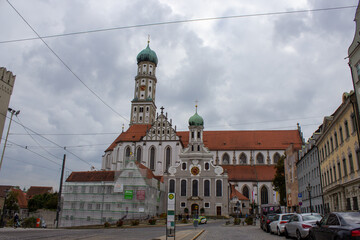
[
  {"x": 12, "y": 111},
  {"x": 308, "y": 188}
]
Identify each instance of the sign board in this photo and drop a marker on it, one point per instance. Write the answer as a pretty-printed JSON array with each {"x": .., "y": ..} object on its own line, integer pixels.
[
  {"x": 118, "y": 187},
  {"x": 170, "y": 222},
  {"x": 300, "y": 203},
  {"x": 128, "y": 194},
  {"x": 141, "y": 210},
  {"x": 140, "y": 194},
  {"x": 300, "y": 195}
]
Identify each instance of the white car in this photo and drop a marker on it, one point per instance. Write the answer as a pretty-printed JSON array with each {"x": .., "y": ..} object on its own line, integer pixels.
[{"x": 278, "y": 225}]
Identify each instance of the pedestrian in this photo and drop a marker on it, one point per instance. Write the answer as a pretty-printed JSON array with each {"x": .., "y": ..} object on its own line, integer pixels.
[{"x": 16, "y": 220}]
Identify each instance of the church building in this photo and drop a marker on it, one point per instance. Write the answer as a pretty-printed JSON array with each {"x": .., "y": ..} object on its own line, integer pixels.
[{"x": 209, "y": 170}]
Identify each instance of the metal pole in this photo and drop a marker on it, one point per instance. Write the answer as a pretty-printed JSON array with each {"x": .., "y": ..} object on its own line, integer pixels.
[
  {"x": 7, "y": 134},
  {"x": 310, "y": 198},
  {"x": 59, "y": 197}
]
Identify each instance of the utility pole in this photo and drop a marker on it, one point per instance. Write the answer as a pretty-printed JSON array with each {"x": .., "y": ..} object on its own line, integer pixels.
[
  {"x": 12, "y": 111},
  {"x": 59, "y": 197}
]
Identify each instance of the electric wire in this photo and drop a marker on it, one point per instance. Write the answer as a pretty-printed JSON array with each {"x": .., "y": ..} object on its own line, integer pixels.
[
  {"x": 62, "y": 147},
  {"x": 37, "y": 141},
  {"x": 38, "y": 154},
  {"x": 66, "y": 65},
  {"x": 36, "y": 165},
  {"x": 178, "y": 22}
]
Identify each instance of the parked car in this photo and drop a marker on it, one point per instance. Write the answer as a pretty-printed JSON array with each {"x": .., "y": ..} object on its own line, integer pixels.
[
  {"x": 337, "y": 225},
  {"x": 299, "y": 224},
  {"x": 266, "y": 209},
  {"x": 267, "y": 220},
  {"x": 278, "y": 225}
]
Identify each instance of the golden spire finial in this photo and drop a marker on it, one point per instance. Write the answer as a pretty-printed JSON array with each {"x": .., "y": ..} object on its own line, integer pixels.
[
  {"x": 196, "y": 105},
  {"x": 148, "y": 39}
]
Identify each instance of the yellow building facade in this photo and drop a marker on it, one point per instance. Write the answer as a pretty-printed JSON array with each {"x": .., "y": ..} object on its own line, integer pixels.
[{"x": 339, "y": 155}]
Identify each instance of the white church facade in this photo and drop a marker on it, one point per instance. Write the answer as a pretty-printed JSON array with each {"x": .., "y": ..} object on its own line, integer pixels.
[{"x": 243, "y": 160}]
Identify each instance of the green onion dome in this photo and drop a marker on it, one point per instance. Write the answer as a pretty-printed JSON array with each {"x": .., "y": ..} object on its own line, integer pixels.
[
  {"x": 147, "y": 55},
  {"x": 196, "y": 120}
]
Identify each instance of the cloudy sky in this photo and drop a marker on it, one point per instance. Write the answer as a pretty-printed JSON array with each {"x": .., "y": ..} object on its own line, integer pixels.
[{"x": 258, "y": 71}]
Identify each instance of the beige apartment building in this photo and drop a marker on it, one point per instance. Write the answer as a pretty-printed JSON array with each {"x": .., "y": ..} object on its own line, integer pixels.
[{"x": 339, "y": 155}]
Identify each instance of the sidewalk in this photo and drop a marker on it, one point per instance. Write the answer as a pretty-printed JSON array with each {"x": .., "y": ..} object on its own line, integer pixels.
[{"x": 191, "y": 234}]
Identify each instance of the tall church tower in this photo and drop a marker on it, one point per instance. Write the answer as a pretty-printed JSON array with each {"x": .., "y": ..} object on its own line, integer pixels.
[{"x": 143, "y": 108}]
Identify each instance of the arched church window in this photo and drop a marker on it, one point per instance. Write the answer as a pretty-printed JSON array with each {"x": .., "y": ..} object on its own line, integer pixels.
[
  {"x": 134, "y": 109},
  {"x": 245, "y": 191},
  {"x": 207, "y": 166},
  {"x": 172, "y": 186},
  {"x": 207, "y": 188},
  {"x": 183, "y": 187},
  {"x": 192, "y": 135},
  {"x": 183, "y": 167},
  {"x": 260, "y": 158},
  {"x": 243, "y": 159},
  {"x": 147, "y": 109},
  {"x": 198, "y": 147},
  {"x": 167, "y": 158},
  {"x": 264, "y": 195},
  {"x": 218, "y": 188},
  {"x": 127, "y": 152},
  {"x": 195, "y": 188},
  {"x": 141, "y": 109},
  {"x": 138, "y": 155},
  {"x": 152, "y": 158},
  {"x": 198, "y": 135},
  {"x": 225, "y": 159},
  {"x": 276, "y": 158}
]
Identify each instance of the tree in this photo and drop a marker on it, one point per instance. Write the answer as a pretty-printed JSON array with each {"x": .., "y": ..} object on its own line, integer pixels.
[
  {"x": 279, "y": 180},
  {"x": 11, "y": 202},
  {"x": 43, "y": 201}
]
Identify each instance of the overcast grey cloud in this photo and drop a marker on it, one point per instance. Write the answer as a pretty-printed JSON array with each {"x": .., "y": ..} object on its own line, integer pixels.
[{"x": 256, "y": 72}]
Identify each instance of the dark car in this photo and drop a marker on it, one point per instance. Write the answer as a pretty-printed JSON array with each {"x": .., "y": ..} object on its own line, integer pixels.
[
  {"x": 337, "y": 225},
  {"x": 267, "y": 220}
]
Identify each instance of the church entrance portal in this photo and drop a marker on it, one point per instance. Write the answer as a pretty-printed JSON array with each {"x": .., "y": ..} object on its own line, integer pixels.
[
  {"x": 195, "y": 209},
  {"x": 218, "y": 211}
]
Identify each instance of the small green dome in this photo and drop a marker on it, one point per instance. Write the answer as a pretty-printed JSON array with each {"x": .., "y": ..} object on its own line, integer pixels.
[
  {"x": 196, "y": 120},
  {"x": 147, "y": 55}
]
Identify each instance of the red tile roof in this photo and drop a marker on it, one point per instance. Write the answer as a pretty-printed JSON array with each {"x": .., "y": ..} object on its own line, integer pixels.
[
  {"x": 21, "y": 197},
  {"x": 224, "y": 140},
  {"x": 262, "y": 173},
  {"x": 91, "y": 176},
  {"x": 247, "y": 140},
  {"x": 133, "y": 134},
  {"x": 148, "y": 173},
  {"x": 36, "y": 190},
  {"x": 236, "y": 193}
]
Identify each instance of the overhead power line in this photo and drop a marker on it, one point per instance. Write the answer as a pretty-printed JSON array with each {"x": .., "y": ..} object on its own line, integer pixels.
[
  {"x": 62, "y": 147},
  {"x": 177, "y": 22},
  {"x": 48, "y": 159},
  {"x": 31, "y": 163},
  {"x": 65, "y": 64}
]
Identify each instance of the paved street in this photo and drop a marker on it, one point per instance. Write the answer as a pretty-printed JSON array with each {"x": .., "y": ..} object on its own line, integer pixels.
[{"x": 215, "y": 229}]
